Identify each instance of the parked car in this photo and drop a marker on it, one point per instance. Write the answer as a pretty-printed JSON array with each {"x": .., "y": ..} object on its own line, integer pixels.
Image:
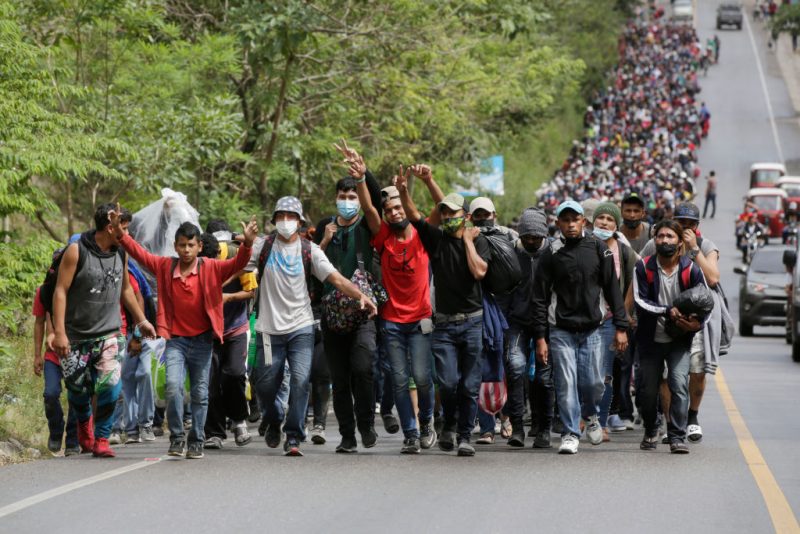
[
  {"x": 766, "y": 174},
  {"x": 762, "y": 291},
  {"x": 729, "y": 15},
  {"x": 768, "y": 202},
  {"x": 793, "y": 302},
  {"x": 683, "y": 11},
  {"x": 790, "y": 184}
]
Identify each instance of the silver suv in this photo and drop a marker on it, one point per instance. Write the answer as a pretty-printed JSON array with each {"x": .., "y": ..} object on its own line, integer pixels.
[{"x": 729, "y": 15}]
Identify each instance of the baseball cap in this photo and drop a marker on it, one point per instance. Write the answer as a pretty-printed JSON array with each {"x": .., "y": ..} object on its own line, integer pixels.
[
  {"x": 633, "y": 197},
  {"x": 481, "y": 203},
  {"x": 687, "y": 210},
  {"x": 388, "y": 193},
  {"x": 454, "y": 201},
  {"x": 289, "y": 204},
  {"x": 569, "y": 205}
]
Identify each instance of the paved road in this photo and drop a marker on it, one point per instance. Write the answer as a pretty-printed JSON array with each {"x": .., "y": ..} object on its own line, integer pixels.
[{"x": 613, "y": 486}]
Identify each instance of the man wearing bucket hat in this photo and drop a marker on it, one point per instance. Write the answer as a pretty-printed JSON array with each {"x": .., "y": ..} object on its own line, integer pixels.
[
  {"x": 285, "y": 321},
  {"x": 572, "y": 278},
  {"x": 459, "y": 259}
]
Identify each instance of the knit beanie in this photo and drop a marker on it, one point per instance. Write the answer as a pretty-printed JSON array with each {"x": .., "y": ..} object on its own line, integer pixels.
[
  {"x": 609, "y": 208},
  {"x": 533, "y": 222}
]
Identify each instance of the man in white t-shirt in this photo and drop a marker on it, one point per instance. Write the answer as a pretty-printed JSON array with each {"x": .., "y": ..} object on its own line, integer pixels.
[{"x": 285, "y": 322}]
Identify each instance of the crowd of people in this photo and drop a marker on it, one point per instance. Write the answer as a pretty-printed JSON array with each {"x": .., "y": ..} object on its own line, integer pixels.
[{"x": 563, "y": 323}]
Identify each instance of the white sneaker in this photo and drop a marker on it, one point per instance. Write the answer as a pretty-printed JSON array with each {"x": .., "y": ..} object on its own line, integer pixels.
[
  {"x": 593, "y": 430},
  {"x": 569, "y": 444},
  {"x": 629, "y": 424},
  {"x": 114, "y": 438},
  {"x": 694, "y": 433},
  {"x": 615, "y": 424}
]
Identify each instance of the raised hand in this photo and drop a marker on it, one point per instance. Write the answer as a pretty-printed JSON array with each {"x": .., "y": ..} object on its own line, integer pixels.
[
  {"x": 349, "y": 154},
  {"x": 400, "y": 180},
  {"x": 250, "y": 231},
  {"x": 423, "y": 172},
  {"x": 357, "y": 168},
  {"x": 115, "y": 218}
]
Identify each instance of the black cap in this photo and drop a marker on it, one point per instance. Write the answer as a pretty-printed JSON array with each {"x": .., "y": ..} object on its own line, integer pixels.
[
  {"x": 633, "y": 197},
  {"x": 687, "y": 210}
]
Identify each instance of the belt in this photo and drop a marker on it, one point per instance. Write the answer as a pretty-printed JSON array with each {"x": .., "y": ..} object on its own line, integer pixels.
[{"x": 442, "y": 318}]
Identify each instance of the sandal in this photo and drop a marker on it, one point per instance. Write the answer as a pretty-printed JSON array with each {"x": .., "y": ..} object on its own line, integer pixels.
[{"x": 505, "y": 428}]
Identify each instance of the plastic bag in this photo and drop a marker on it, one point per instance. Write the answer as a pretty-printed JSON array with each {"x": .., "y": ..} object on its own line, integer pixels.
[
  {"x": 154, "y": 226},
  {"x": 504, "y": 272},
  {"x": 492, "y": 396},
  {"x": 697, "y": 301}
]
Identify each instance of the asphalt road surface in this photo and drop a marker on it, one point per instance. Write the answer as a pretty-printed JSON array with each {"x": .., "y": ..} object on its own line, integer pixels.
[{"x": 614, "y": 486}]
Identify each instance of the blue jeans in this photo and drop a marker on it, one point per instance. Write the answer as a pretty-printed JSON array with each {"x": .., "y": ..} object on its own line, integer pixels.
[
  {"x": 409, "y": 353},
  {"x": 676, "y": 356},
  {"x": 578, "y": 377},
  {"x": 295, "y": 348},
  {"x": 192, "y": 354},
  {"x": 517, "y": 355},
  {"x": 607, "y": 368},
  {"x": 53, "y": 410},
  {"x": 457, "y": 348},
  {"x": 137, "y": 389}
]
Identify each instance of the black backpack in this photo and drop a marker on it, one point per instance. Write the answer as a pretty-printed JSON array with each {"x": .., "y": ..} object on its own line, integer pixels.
[
  {"x": 504, "y": 273},
  {"x": 48, "y": 287}
]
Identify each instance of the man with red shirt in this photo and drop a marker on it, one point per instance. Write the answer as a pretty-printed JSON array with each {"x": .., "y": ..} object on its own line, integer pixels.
[
  {"x": 189, "y": 317},
  {"x": 405, "y": 320}
]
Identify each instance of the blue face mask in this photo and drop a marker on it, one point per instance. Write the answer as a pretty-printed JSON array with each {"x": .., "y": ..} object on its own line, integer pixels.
[
  {"x": 603, "y": 235},
  {"x": 347, "y": 208}
]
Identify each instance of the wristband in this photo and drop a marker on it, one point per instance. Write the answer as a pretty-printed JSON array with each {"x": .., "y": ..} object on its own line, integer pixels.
[
  {"x": 362, "y": 180},
  {"x": 140, "y": 323}
]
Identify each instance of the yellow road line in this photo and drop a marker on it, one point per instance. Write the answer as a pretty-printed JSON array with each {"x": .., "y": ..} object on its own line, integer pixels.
[{"x": 780, "y": 512}]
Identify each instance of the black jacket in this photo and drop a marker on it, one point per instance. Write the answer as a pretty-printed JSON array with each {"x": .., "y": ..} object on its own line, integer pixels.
[
  {"x": 520, "y": 308},
  {"x": 572, "y": 285}
]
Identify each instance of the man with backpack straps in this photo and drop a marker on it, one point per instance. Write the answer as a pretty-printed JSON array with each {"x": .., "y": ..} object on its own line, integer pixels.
[
  {"x": 575, "y": 280},
  {"x": 285, "y": 321},
  {"x": 659, "y": 281},
  {"x": 705, "y": 254},
  {"x": 92, "y": 281}
]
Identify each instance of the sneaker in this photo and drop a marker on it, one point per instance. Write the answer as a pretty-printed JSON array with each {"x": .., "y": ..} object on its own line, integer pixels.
[
  {"x": 487, "y": 438},
  {"x": 665, "y": 440},
  {"x": 438, "y": 424},
  {"x": 187, "y": 424},
  {"x": 241, "y": 435},
  {"x": 273, "y": 436},
  {"x": 102, "y": 449},
  {"x": 177, "y": 448},
  {"x": 390, "y": 424},
  {"x": 517, "y": 438},
  {"x": 195, "y": 450},
  {"x": 448, "y": 441},
  {"x": 369, "y": 438},
  {"x": 569, "y": 445},
  {"x": 694, "y": 433},
  {"x": 649, "y": 443},
  {"x": 158, "y": 431},
  {"x": 678, "y": 447},
  {"x": 291, "y": 447},
  {"x": 214, "y": 442},
  {"x": 593, "y": 430},
  {"x": 615, "y": 424},
  {"x": 542, "y": 440},
  {"x": 427, "y": 436},
  {"x": 115, "y": 438},
  {"x": 54, "y": 445},
  {"x": 348, "y": 445},
  {"x": 318, "y": 435},
  {"x": 86, "y": 435},
  {"x": 148, "y": 434},
  {"x": 629, "y": 424},
  {"x": 133, "y": 438},
  {"x": 410, "y": 446},
  {"x": 72, "y": 450},
  {"x": 465, "y": 449}
]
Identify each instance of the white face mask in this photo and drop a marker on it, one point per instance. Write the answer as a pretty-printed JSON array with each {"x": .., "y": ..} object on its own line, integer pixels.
[{"x": 286, "y": 228}]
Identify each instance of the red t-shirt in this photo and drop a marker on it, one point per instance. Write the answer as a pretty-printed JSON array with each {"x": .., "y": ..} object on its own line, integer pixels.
[
  {"x": 190, "y": 317},
  {"x": 39, "y": 311},
  {"x": 404, "y": 266}
]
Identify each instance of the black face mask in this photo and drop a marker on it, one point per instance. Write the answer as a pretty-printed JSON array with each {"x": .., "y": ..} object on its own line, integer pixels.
[
  {"x": 398, "y": 226},
  {"x": 631, "y": 223},
  {"x": 486, "y": 223},
  {"x": 572, "y": 240},
  {"x": 666, "y": 250}
]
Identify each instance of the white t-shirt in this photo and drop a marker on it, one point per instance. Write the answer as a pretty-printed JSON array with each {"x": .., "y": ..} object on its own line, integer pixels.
[{"x": 284, "y": 304}]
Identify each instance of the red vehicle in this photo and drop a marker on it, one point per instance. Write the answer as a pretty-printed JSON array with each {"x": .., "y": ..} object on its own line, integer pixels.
[
  {"x": 790, "y": 184},
  {"x": 766, "y": 174},
  {"x": 768, "y": 203}
]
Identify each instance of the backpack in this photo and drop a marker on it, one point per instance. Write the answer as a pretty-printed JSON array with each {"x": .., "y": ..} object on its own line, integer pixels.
[
  {"x": 342, "y": 314},
  {"x": 685, "y": 279},
  {"x": 504, "y": 273},
  {"x": 48, "y": 287},
  {"x": 305, "y": 253}
]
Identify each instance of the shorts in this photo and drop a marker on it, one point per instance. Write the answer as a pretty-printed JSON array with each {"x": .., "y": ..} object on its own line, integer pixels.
[{"x": 697, "y": 360}]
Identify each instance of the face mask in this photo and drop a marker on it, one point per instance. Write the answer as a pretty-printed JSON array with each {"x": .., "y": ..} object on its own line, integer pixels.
[
  {"x": 666, "y": 249},
  {"x": 603, "y": 235},
  {"x": 286, "y": 228},
  {"x": 347, "y": 208},
  {"x": 399, "y": 226},
  {"x": 632, "y": 224},
  {"x": 486, "y": 223},
  {"x": 452, "y": 224},
  {"x": 532, "y": 248}
]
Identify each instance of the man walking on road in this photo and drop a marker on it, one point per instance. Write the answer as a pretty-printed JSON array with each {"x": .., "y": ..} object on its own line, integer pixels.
[
  {"x": 711, "y": 194},
  {"x": 574, "y": 281}
]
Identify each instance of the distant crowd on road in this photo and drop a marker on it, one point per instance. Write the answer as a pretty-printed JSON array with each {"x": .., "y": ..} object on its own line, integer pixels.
[{"x": 596, "y": 312}]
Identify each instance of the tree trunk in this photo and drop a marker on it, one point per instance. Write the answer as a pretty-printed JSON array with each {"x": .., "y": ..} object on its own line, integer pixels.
[{"x": 70, "y": 214}]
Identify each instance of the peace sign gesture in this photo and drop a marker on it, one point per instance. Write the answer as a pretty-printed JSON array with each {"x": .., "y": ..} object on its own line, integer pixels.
[
  {"x": 400, "y": 180},
  {"x": 355, "y": 162}
]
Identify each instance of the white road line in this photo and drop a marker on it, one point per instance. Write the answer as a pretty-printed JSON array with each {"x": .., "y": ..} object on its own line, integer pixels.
[
  {"x": 66, "y": 488},
  {"x": 764, "y": 88}
]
